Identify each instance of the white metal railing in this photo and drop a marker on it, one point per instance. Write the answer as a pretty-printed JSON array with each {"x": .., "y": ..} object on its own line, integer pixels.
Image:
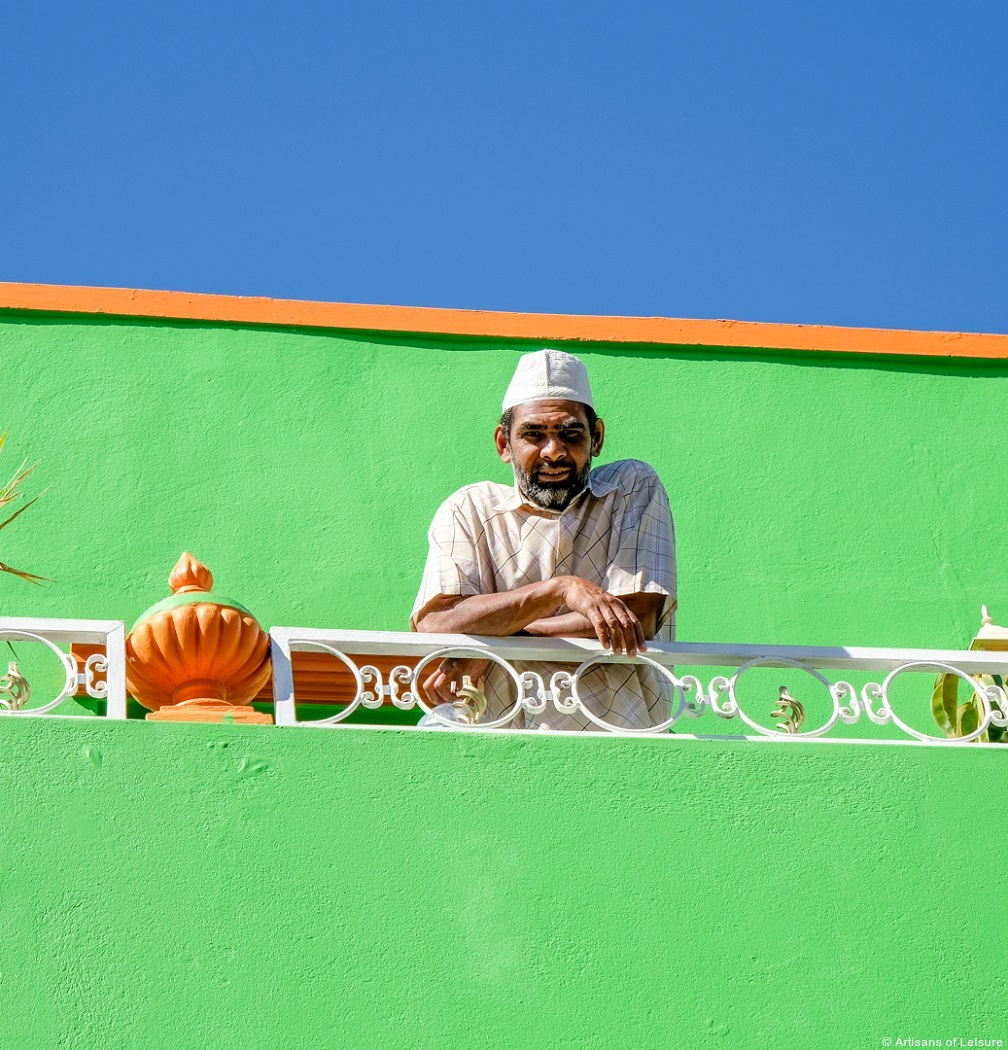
[
  {"x": 50, "y": 634},
  {"x": 692, "y": 695},
  {"x": 716, "y": 697}
]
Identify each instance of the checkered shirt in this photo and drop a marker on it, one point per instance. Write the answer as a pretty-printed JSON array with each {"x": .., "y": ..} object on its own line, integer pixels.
[{"x": 618, "y": 534}]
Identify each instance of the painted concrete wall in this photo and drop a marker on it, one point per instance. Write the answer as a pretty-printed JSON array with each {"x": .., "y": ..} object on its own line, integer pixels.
[
  {"x": 199, "y": 886},
  {"x": 237, "y": 886},
  {"x": 817, "y": 500}
]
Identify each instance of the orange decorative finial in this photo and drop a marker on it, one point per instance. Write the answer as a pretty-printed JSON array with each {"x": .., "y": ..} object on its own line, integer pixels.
[
  {"x": 190, "y": 574},
  {"x": 197, "y": 657}
]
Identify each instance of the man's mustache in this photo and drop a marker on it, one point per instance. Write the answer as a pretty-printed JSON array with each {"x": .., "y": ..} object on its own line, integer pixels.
[{"x": 556, "y": 469}]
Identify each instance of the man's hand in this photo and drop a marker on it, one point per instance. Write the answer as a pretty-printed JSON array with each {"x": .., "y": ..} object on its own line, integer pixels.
[
  {"x": 615, "y": 626},
  {"x": 596, "y": 612},
  {"x": 442, "y": 686}
]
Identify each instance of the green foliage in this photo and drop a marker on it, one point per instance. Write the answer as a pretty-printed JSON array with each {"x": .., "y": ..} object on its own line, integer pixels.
[{"x": 959, "y": 720}]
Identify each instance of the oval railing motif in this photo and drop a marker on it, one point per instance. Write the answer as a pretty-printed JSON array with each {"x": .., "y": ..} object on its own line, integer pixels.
[{"x": 691, "y": 696}]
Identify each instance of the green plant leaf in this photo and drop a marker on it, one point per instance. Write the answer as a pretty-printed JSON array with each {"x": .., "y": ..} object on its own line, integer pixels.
[
  {"x": 944, "y": 703},
  {"x": 969, "y": 719}
]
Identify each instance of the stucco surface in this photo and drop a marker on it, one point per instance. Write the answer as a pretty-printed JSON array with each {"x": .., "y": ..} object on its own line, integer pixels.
[
  {"x": 817, "y": 500},
  {"x": 195, "y": 886}
]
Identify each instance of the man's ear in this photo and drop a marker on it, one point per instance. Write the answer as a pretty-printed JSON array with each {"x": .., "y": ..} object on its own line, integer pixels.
[
  {"x": 598, "y": 438},
  {"x": 502, "y": 446}
]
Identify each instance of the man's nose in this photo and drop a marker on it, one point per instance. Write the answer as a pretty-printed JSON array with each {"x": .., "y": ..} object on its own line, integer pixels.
[{"x": 552, "y": 449}]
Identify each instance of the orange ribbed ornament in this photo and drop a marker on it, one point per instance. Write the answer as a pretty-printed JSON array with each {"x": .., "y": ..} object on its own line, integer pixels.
[{"x": 197, "y": 657}]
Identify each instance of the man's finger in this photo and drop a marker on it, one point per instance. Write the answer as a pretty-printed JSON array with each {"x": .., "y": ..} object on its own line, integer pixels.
[
  {"x": 633, "y": 631},
  {"x": 446, "y": 689},
  {"x": 629, "y": 640},
  {"x": 624, "y": 631},
  {"x": 438, "y": 689},
  {"x": 601, "y": 627},
  {"x": 626, "y": 635},
  {"x": 428, "y": 688},
  {"x": 614, "y": 630}
]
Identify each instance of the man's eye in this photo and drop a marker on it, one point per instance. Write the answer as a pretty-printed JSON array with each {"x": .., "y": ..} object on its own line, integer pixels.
[{"x": 574, "y": 434}]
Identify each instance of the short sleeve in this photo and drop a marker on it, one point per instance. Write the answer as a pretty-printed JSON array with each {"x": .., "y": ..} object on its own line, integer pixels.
[
  {"x": 642, "y": 559},
  {"x": 452, "y": 561}
]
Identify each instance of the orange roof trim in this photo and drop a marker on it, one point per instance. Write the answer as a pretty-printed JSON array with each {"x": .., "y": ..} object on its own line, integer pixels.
[{"x": 661, "y": 331}]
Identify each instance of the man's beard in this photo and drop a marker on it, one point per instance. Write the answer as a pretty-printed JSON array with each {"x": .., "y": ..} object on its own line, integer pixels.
[{"x": 550, "y": 495}]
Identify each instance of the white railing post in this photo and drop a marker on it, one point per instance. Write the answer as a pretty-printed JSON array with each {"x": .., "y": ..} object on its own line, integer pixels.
[
  {"x": 115, "y": 672},
  {"x": 284, "y": 713}
]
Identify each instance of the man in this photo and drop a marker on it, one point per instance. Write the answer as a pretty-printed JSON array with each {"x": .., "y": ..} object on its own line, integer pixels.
[{"x": 568, "y": 551}]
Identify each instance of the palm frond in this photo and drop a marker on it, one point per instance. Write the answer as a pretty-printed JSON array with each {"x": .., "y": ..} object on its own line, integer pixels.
[
  {"x": 20, "y": 474},
  {"x": 8, "y": 493},
  {"x": 21, "y": 510},
  {"x": 31, "y": 577}
]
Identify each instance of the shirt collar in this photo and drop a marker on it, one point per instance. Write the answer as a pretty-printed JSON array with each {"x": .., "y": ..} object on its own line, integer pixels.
[{"x": 598, "y": 487}]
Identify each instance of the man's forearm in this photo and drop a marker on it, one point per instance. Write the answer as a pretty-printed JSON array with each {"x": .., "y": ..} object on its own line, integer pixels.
[
  {"x": 618, "y": 623},
  {"x": 646, "y": 607},
  {"x": 504, "y": 613},
  {"x": 565, "y": 625}
]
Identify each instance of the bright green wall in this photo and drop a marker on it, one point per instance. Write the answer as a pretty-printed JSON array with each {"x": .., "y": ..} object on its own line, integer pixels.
[
  {"x": 238, "y": 886},
  {"x": 196, "y": 886},
  {"x": 818, "y": 500}
]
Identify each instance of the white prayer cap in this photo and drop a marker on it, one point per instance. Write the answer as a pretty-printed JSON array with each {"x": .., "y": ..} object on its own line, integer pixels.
[{"x": 548, "y": 375}]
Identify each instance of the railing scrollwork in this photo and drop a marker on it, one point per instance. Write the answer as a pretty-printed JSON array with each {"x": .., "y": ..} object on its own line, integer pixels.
[
  {"x": 18, "y": 689},
  {"x": 707, "y": 685},
  {"x": 102, "y": 675},
  {"x": 796, "y": 715}
]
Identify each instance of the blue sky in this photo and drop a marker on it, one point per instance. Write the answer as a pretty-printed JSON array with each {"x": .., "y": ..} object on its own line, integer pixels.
[{"x": 779, "y": 161}]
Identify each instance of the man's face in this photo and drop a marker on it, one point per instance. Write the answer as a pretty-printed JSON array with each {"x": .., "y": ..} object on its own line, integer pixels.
[{"x": 550, "y": 450}]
